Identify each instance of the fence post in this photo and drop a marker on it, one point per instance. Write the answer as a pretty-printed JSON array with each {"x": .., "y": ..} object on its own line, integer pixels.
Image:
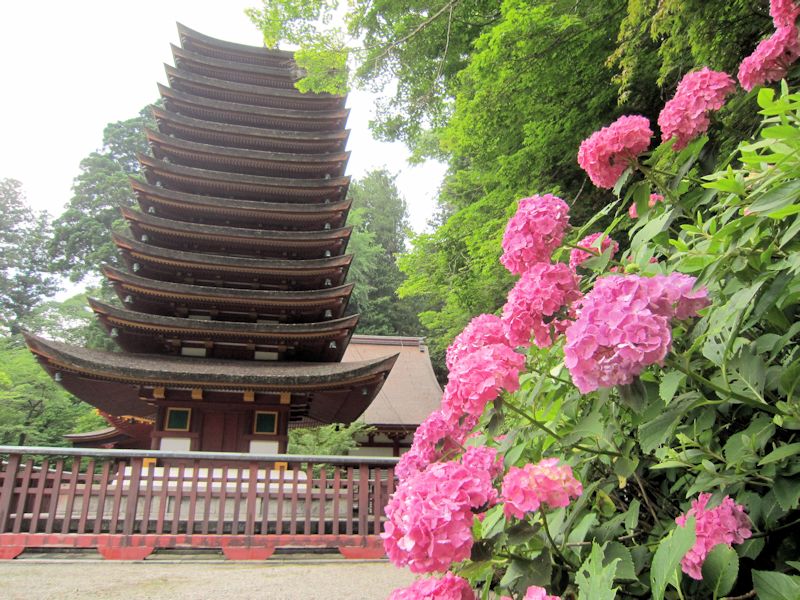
[{"x": 7, "y": 491}]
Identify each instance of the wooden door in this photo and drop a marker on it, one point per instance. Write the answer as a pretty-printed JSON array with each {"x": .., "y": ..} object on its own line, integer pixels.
[{"x": 222, "y": 432}]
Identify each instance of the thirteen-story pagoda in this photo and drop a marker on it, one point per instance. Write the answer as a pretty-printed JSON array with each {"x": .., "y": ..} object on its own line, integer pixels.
[{"x": 233, "y": 324}]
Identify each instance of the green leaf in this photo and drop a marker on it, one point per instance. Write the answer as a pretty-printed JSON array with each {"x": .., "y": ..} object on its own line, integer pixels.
[
  {"x": 668, "y": 556},
  {"x": 594, "y": 579},
  {"x": 670, "y": 383},
  {"x": 521, "y": 532},
  {"x": 720, "y": 569},
  {"x": 493, "y": 523},
  {"x": 787, "y": 491},
  {"x": 615, "y": 551},
  {"x": 780, "y": 453},
  {"x": 777, "y": 198},
  {"x": 771, "y": 585}
]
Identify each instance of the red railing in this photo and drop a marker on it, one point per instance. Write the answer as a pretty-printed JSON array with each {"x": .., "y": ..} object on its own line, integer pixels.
[{"x": 126, "y": 503}]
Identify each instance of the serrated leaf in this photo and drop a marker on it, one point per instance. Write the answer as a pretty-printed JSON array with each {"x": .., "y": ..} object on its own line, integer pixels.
[
  {"x": 720, "y": 570},
  {"x": 594, "y": 579},
  {"x": 670, "y": 383},
  {"x": 771, "y": 585},
  {"x": 668, "y": 556},
  {"x": 777, "y": 197},
  {"x": 619, "y": 552},
  {"x": 780, "y": 453},
  {"x": 787, "y": 491}
]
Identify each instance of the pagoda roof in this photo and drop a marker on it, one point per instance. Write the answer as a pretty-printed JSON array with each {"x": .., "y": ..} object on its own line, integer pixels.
[
  {"x": 242, "y": 160},
  {"x": 111, "y": 381},
  {"x": 236, "y": 240},
  {"x": 209, "y": 46},
  {"x": 143, "y": 332},
  {"x": 180, "y": 205},
  {"x": 161, "y": 297},
  {"x": 238, "y": 71},
  {"x": 254, "y": 116},
  {"x": 242, "y": 136},
  {"x": 246, "y": 93},
  {"x": 243, "y": 187},
  {"x": 164, "y": 263}
]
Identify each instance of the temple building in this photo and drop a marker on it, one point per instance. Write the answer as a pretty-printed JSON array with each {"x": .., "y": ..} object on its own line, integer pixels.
[{"x": 232, "y": 323}]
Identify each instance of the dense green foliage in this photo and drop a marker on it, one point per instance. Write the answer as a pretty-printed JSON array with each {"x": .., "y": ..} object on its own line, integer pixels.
[
  {"x": 24, "y": 264},
  {"x": 81, "y": 239},
  {"x": 379, "y": 216},
  {"x": 504, "y": 91},
  {"x": 326, "y": 440}
]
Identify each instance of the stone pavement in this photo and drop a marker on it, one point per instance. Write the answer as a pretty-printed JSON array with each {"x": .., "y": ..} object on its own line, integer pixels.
[{"x": 198, "y": 577}]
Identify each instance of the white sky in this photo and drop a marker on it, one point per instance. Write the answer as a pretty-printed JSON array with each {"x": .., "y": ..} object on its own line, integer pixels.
[{"x": 69, "y": 68}]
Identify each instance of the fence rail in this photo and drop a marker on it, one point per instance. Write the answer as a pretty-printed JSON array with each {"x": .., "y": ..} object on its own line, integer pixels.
[{"x": 127, "y": 503}]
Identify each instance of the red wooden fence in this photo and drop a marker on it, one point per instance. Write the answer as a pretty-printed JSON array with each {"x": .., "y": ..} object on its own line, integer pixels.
[{"x": 127, "y": 503}]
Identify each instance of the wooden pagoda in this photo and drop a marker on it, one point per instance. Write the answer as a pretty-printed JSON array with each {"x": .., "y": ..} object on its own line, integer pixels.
[{"x": 232, "y": 321}]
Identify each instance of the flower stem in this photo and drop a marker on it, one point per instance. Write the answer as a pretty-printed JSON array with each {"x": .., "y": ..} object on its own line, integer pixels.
[
  {"x": 556, "y": 549},
  {"x": 539, "y": 425}
]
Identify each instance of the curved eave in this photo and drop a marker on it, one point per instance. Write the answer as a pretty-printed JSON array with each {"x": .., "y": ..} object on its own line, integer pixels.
[
  {"x": 249, "y": 115},
  {"x": 183, "y": 326},
  {"x": 249, "y": 211},
  {"x": 264, "y": 301},
  {"x": 254, "y": 240},
  {"x": 242, "y": 136},
  {"x": 234, "y": 70},
  {"x": 226, "y": 267},
  {"x": 225, "y": 158},
  {"x": 209, "y": 46},
  {"x": 245, "y": 187},
  {"x": 245, "y": 93},
  {"x": 209, "y": 373}
]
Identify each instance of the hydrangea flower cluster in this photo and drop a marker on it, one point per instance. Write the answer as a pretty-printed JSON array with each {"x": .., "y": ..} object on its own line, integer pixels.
[
  {"x": 481, "y": 331},
  {"x": 449, "y": 587},
  {"x": 483, "y": 458},
  {"x": 525, "y": 489},
  {"x": 429, "y": 517},
  {"x": 607, "y": 153},
  {"x": 434, "y": 438},
  {"x": 540, "y": 293},
  {"x": 478, "y": 378},
  {"x": 654, "y": 199},
  {"x": 578, "y": 257},
  {"x": 534, "y": 593},
  {"x": 535, "y": 230},
  {"x": 726, "y": 524},
  {"x": 784, "y": 13},
  {"x": 624, "y": 326},
  {"x": 771, "y": 59},
  {"x": 685, "y": 116}
]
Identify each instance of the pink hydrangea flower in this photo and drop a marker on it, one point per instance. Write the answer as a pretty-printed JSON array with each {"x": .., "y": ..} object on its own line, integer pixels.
[
  {"x": 435, "y": 438},
  {"x": 533, "y": 302},
  {"x": 449, "y": 587},
  {"x": 654, "y": 198},
  {"x": 429, "y": 517},
  {"x": 535, "y": 230},
  {"x": 726, "y": 524},
  {"x": 578, "y": 257},
  {"x": 483, "y": 458},
  {"x": 771, "y": 59},
  {"x": 686, "y": 116},
  {"x": 784, "y": 12},
  {"x": 525, "y": 489},
  {"x": 624, "y": 326},
  {"x": 478, "y": 378},
  {"x": 607, "y": 153},
  {"x": 534, "y": 593},
  {"x": 481, "y": 331}
]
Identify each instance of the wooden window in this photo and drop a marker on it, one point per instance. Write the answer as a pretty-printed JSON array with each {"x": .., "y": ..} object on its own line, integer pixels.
[
  {"x": 178, "y": 419},
  {"x": 266, "y": 422}
]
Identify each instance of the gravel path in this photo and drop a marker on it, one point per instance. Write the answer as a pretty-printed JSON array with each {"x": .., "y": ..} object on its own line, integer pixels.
[{"x": 275, "y": 579}]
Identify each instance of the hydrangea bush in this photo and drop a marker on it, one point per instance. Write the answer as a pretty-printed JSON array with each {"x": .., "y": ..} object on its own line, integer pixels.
[{"x": 629, "y": 424}]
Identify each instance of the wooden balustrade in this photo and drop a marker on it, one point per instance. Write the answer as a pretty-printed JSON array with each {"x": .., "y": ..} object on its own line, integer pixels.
[{"x": 127, "y": 503}]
